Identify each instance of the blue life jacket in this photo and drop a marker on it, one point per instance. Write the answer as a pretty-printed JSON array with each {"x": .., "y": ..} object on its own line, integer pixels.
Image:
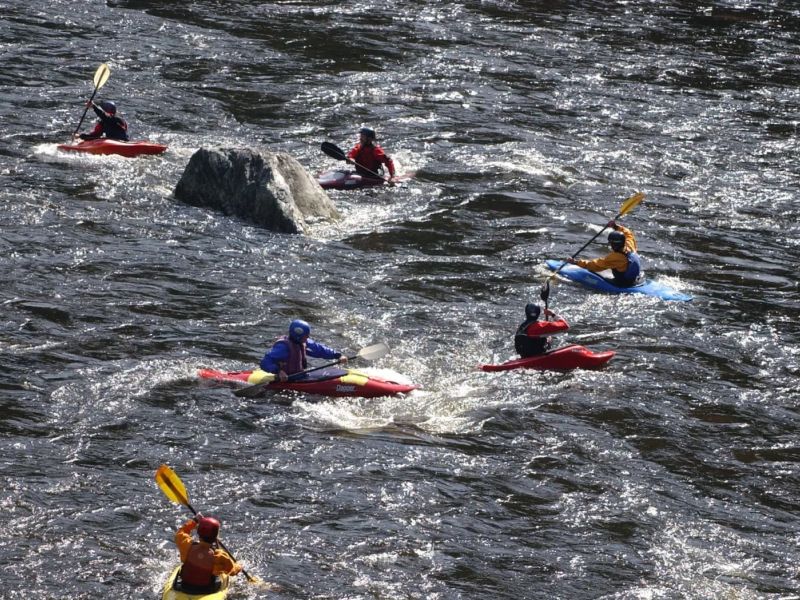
[{"x": 631, "y": 274}]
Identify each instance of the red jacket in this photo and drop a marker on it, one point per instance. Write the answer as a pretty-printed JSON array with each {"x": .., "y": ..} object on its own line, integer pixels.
[
  {"x": 541, "y": 328},
  {"x": 370, "y": 157}
]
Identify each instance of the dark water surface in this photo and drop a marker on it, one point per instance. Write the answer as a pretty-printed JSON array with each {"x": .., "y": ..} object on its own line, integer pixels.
[{"x": 673, "y": 473}]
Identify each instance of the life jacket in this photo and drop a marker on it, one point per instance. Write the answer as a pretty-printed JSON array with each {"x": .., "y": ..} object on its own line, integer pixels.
[
  {"x": 532, "y": 338},
  {"x": 631, "y": 275},
  {"x": 297, "y": 357},
  {"x": 198, "y": 568},
  {"x": 115, "y": 128}
]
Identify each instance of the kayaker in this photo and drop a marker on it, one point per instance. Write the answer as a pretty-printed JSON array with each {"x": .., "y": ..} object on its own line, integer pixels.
[
  {"x": 202, "y": 560},
  {"x": 110, "y": 125},
  {"x": 533, "y": 336},
  {"x": 368, "y": 156},
  {"x": 288, "y": 355},
  {"x": 623, "y": 260}
]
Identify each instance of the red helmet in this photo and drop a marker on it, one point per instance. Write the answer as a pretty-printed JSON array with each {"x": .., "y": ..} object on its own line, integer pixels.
[{"x": 208, "y": 529}]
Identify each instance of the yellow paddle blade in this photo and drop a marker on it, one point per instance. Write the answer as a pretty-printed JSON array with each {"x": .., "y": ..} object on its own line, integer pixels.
[
  {"x": 171, "y": 485},
  {"x": 631, "y": 203},
  {"x": 101, "y": 75}
]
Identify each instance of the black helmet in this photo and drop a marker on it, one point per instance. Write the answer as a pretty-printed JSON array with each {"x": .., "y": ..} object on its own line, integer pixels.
[
  {"x": 367, "y": 132},
  {"x": 109, "y": 107},
  {"x": 616, "y": 239},
  {"x": 532, "y": 310}
]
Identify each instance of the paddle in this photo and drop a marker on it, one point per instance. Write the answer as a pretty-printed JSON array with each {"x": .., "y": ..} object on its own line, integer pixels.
[
  {"x": 173, "y": 488},
  {"x": 626, "y": 207},
  {"x": 100, "y": 77},
  {"x": 544, "y": 294},
  {"x": 369, "y": 353},
  {"x": 337, "y": 153}
]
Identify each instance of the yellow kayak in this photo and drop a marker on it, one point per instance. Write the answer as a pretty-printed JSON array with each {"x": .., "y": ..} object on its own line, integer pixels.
[{"x": 170, "y": 593}]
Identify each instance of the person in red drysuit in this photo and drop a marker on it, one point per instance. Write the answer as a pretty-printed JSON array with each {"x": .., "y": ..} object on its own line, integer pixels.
[
  {"x": 533, "y": 336},
  {"x": 368, "y": 157}
]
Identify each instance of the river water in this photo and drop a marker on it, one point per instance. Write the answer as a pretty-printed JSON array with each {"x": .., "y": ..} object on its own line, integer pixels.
[{"x": 672, "y": 473}]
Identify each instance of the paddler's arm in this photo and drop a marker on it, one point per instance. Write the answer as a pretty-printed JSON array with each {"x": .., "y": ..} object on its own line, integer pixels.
[
  {"x": 558, "y": 322},
  {"x": 613, "y": 260},
  {"x": 223, "y": 563},
  {"x": 277, "y": 355},
  {"x": 317, "y": 350},
  {"x": 630, "y": 239},
  {"x": 183, "y": 538}
]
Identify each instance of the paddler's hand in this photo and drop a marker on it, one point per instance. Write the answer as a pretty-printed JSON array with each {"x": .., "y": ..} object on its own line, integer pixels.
[
  {"x": 197, "y": 517},
  {"x": 612, "y": 224},
  {"x": 89, "y": 104},
  {"x": 570, "y": 260},
  {"x": 343, "y": 359},
  {"x": 282, "y": 376},
  {"x": 391, "y": 180},
  {"x": 549, "y": 313}
]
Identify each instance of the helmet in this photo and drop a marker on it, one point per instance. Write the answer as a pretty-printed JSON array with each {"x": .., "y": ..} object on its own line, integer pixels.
[
  {"x": 532, "y": 310},
  {"x": 298, "y": 329},
  {"x": 208, "y": 529},
  {"x": 109, "y": 107},
  {"x": 616, "y": 239},
  {"x": 367, "y": 132}
]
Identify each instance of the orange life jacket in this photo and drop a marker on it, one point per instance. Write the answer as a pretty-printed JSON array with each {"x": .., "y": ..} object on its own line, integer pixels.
[{"x": 198, "y": 568}]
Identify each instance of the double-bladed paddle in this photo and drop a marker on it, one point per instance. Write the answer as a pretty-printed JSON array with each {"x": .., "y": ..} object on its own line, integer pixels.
[
  {"x": 626, "y": 207},
  {"x": 369, "y": 353},
  {"x": 100, "y": 77},
  {"x": 173, "y": 488},
  {"x": 337, "y": 153}
]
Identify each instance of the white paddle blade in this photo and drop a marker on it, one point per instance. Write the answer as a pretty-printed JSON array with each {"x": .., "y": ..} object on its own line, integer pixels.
[
  {"x": 374, "y": 351},
  {"x": 101, "y": 75}
]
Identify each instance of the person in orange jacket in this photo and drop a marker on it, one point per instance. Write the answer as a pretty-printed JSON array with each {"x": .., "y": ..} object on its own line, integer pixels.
[
  {"x": 368, "y": 157},
  {"x": 202, "y": 560},
  {"x": 533, "y": 336},
  {"x": 623, "y": 260}
]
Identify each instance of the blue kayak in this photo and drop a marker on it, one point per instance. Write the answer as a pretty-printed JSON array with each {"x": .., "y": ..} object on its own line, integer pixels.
[{"x": 595, "y": 282}]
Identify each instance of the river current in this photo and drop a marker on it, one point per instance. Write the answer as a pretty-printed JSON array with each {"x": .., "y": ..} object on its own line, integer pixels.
[{"x": 671, "y": 473}]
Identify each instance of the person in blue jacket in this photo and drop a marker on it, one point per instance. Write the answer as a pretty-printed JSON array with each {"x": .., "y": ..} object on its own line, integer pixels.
[
  {"x": 109, "y": 125},
  {"x": 288, "y": 355}
]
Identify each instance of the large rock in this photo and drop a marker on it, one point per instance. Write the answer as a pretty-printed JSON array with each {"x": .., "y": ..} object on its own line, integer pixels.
[{"x": 270, "y": 189}]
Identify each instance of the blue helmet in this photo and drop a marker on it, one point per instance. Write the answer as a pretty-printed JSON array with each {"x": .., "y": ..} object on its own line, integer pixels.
[
  {"x": 616, "y": 239},
  {"x": 367, "y": 132},
  {"x": 109, "y": 107},
  {"x": 532, "y": 310},
  {"x": 298, "y": 329}
]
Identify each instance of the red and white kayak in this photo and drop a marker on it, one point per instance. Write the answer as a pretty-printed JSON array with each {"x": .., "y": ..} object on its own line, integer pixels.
[
  {"x": 562, "y": 359},
  {"x": 333, "y": 381},
  {"x": 350, "y": 180},
  {"x": 106, "y": 146},
  {"x": 347, "y": 180}
]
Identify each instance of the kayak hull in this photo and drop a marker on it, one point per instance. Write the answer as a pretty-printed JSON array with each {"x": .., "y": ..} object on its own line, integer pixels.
[
  {"x": 347, "y": 180},
  {"x": 595, "y": 282},
  {"x": 118, "y": 147},
  {"x": 562, "y": 359},
  {"x": 170, "y": 593},
  {"x": 329, "y": 382}
]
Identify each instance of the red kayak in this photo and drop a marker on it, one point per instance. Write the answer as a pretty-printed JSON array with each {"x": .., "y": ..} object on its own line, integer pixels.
[
  {"x": 562, "y": 359},
  {"x": 106, "y": 146},
  {"x": 326, "y": 382}
]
